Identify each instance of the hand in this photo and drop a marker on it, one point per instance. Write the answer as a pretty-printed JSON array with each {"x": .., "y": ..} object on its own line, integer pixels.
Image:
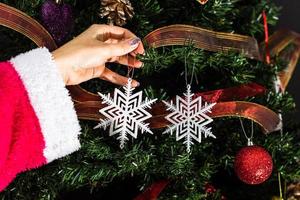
[{"x": 84, "y": 57}]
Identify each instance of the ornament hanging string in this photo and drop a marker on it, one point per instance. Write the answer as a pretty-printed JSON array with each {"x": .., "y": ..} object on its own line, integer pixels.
[
  {"x": 249, "y": 139},
  {"x": 266, "y": 30},
  {"x": 186, "y": 73},
  {"x": 130, "y": 70}
]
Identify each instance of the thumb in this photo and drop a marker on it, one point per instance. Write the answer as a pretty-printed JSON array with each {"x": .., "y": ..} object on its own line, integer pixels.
[{"x": 123, "y": 47}]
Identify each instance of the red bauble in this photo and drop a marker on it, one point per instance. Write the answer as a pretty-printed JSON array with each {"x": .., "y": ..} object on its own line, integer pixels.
[{"x": 253, "y": 165}]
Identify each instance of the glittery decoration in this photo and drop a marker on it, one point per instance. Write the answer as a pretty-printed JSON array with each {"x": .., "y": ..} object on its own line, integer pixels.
[
  {"x": 118, "y": 12},
  {"x": 253, "y": 165},
  {"x": 126, "y": 113},
  {"x": 189, "y": 118},
  {"x": 57, "y": 19}
]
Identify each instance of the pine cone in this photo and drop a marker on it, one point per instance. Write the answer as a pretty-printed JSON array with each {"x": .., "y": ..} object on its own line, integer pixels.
[{"x": 117, "y": 11}]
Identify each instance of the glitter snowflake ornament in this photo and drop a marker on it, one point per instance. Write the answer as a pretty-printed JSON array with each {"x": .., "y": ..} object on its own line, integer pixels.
[
  {"x": 189, "y": 118},
  {"x": 125, "y": 113}
]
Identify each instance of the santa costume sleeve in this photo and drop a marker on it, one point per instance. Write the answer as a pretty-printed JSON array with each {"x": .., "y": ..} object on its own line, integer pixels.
[{"x": 38, "y": 122}]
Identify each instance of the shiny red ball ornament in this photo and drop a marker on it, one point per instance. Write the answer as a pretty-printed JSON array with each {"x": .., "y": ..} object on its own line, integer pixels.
[{"x": 253, "y": 165}]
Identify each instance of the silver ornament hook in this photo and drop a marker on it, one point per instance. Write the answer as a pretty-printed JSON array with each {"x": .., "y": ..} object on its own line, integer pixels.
[
  {"x": 130, "y": 69},
  {"x": 249, "y": 139}
]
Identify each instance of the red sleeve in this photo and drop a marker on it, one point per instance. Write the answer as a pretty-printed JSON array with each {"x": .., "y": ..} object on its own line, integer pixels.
[
  {"x": 21, "y": 140},
  {"x": 38, "y": 122}
]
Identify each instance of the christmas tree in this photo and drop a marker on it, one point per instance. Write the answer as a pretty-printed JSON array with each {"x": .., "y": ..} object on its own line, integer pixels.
[{"x": 101, "y": 170}]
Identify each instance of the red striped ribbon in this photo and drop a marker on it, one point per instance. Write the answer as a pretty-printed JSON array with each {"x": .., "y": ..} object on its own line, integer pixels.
[{"x": 268, "y": 60}]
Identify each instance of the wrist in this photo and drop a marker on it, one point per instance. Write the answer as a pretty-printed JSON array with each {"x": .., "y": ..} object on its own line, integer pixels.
[{"x": 60, "y": 65}]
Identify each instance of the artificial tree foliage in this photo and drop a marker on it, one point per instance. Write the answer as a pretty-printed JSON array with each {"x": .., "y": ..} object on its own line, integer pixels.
[{"x": 101, "y": 170}]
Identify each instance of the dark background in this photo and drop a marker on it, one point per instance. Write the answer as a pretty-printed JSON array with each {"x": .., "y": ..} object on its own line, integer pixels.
[{"x": 290, "y": 19}]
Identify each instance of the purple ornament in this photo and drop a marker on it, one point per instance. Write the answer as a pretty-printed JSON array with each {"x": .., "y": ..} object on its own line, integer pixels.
[{"x": 58, "y": 19}]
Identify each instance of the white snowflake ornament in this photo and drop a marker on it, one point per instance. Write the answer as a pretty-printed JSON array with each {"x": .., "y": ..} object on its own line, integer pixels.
[
  {"x": 189, "y": 118},
  {"x": 125, "y": 113}
]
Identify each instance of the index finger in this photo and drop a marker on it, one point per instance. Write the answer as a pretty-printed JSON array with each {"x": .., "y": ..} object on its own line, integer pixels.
[
  {"x": 140, "y": 49},
  {"x": 117, "y": 32},
  {"x": 120, "y": 33}
]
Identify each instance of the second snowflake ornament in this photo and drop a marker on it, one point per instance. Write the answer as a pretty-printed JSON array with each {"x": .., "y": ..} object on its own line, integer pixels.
[
  {"x": 125, "y": 113},
  {"x": 189, "y": 118}
]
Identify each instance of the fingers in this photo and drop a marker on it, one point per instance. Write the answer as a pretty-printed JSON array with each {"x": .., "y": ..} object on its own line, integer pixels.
[
  {"x": 108, "y": 33},
  {"x": 117, "y": 78},
  {"x": 103, "y": 73},
  {"x": 105, "y": 32},
  {"x": 117, "y": 32},
  {"x": 130, "y": 61},
  {"x": 80, "y": 74},
  {"x": 121, "y": 48},
  {"x": 140, "y": 49}
]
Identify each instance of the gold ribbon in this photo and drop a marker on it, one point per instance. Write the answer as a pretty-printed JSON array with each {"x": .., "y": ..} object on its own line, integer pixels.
[
  {"x": 24, "y": 24},
  {"x": 180, "y": 34}
]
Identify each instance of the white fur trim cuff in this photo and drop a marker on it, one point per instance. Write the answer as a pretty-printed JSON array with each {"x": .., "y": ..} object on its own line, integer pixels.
[{"x": 51, "y": 102}]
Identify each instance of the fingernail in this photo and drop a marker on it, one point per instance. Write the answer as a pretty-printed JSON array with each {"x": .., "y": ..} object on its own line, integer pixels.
[
  {"x": 137, "y": 84},
  {"x": 134, "y": 41}
]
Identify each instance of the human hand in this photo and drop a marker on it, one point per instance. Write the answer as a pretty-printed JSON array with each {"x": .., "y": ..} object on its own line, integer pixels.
[{"x": 84, "y": 57}]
